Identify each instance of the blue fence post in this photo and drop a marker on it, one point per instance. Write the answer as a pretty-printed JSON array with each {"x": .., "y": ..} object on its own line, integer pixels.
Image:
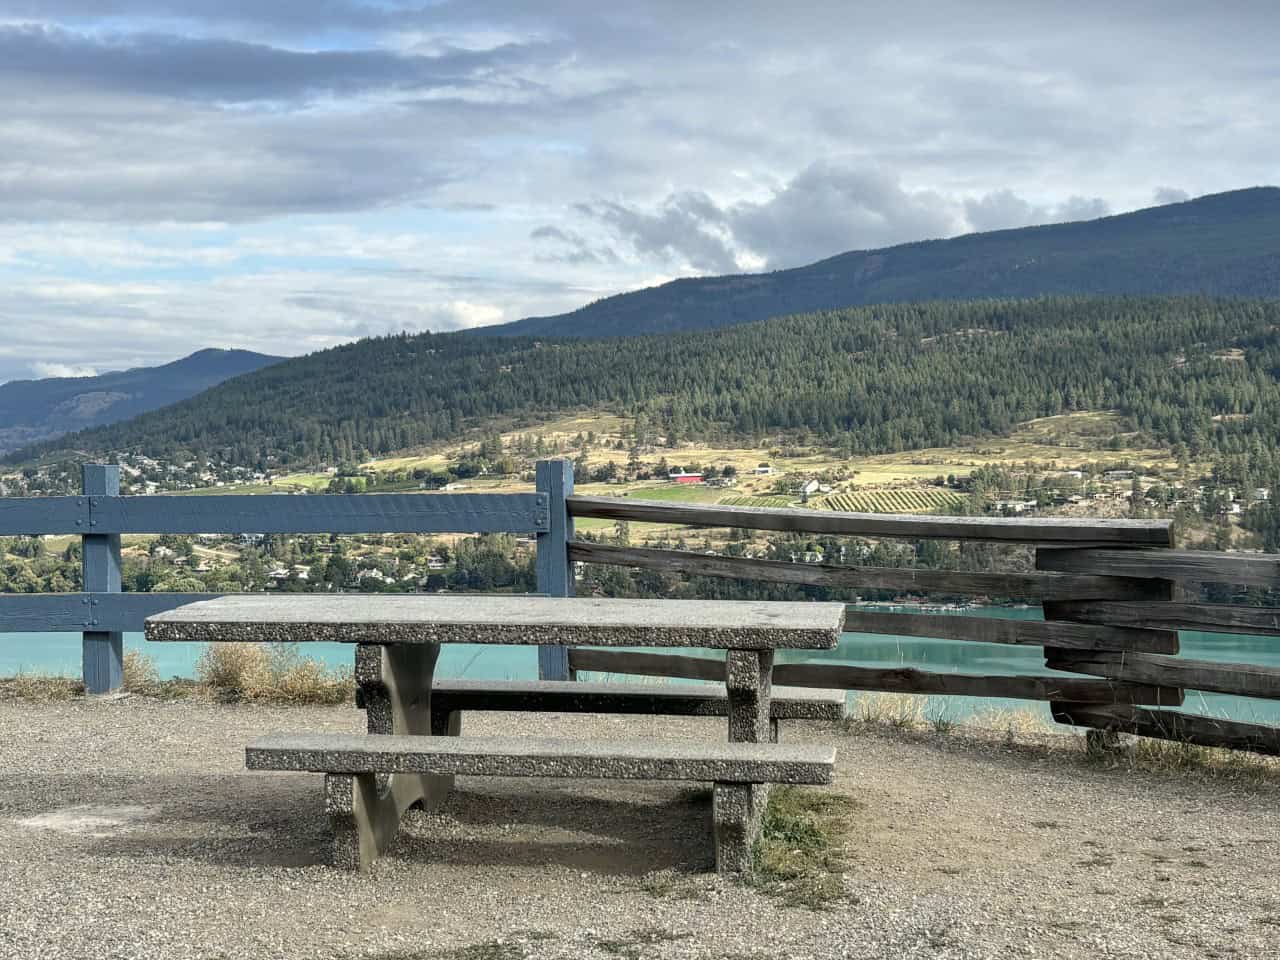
[
  {"x": 103, "y": 651},
  {"x": 555, "y": 574}
]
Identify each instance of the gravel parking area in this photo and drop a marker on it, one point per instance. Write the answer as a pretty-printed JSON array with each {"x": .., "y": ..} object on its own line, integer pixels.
[{"x": 129, "y": 828}]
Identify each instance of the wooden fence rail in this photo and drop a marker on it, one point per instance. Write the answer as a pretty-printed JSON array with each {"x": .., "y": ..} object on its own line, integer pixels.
[
  {"x": 882, "y": 679},
  {"x": 1129, "y": 533},
  {"x": 1117, "y": 577},
  {"x": 951, "y": 583},
  {"x": 99, "y": 515}
]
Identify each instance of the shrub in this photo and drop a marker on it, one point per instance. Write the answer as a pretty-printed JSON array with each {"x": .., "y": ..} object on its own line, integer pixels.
[
  {"x": 270, "y": 674},
  {"x": 140, "y": 674},
  {"x": 237, "y": 670}
]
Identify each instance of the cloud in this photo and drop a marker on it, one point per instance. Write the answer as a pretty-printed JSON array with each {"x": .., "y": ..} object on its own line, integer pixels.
[
  {"x": 287, "y": 175},
  {"x": 1003, "y": 209},
  {"x": 233, "y": 71},
  {"x": 1170, "y": 195},
  {"x": 43, "y": 370},
  {"x": 827, "y": 208},
  {"x": 688, "y": 227}
]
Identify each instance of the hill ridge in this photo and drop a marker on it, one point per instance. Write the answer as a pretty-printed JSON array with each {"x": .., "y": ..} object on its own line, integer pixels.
[
  {"x": 1185, "y": 247},
  {"x": 36, "y": 410}
]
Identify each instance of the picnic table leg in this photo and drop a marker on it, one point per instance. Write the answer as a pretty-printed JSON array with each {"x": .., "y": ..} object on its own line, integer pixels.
[
  {"x": 365, "y": 811},
  {"x": 737, "y": 808}
]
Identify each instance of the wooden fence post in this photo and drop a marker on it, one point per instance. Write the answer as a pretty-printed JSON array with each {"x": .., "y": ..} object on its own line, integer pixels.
[
  {"x": 555, "y": 572},
  {"x": 103, "y": 651}
]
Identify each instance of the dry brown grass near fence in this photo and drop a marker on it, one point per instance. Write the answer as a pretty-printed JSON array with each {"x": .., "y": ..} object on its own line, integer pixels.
[
  {"x": 279, "y": 674},
  {"x": 230, "y": 672}
]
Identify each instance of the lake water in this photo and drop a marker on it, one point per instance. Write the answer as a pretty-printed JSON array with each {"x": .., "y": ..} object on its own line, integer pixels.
[{"x": 60, "y": 653}]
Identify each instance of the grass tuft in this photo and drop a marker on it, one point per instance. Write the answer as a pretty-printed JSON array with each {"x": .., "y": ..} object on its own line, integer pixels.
[
  {"x": 41, "y": 688},
  {"x": 1175, "y": 757},
  {"x": 800, "y": 856},
  {"x": 899, "y": 711},
  {"x": 278, "y": 674},
  {"x": 140, "y": 674}
]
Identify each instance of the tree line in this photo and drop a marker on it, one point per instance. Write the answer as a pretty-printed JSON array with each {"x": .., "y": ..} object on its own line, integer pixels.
[{"x": 1194, "y": 372}]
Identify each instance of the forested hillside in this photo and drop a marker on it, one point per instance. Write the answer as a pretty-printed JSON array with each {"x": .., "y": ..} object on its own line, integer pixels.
[
  {"x": 1227, "y": 244},
  {"x": 1190, "y": 371},
  {"x": 34, "y": 410}
]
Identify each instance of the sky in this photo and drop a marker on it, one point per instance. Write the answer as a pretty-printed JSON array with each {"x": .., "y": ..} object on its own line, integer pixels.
[{"x": 285, "y": 176}]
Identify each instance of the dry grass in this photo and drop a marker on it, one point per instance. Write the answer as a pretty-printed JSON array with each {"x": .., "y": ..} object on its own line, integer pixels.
[
  {"x": 900, "y": 711},
  {"x": 40, "y": 688},
  {"x": 279, "y": 674},
  {"x": 800, "y": 856},
  {"x": 225, "y": 671},
  {"x": 140, "y": 674},
  {"x": 1179, "y": 758}
]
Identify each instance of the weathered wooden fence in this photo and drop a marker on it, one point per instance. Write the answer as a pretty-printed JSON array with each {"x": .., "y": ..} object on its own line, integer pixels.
[
  {"x": 1112, "y": 590},
  {"x": 100, "y": 515}
]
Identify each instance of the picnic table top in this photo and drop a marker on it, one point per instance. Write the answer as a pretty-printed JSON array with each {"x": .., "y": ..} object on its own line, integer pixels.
[{"x": 486, "y": 618}]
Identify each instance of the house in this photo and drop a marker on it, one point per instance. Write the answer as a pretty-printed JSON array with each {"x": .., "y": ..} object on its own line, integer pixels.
[
  {"x": 1262, "y": 493},
  {"x": 680, "y": 476},
  {"x": 763, "y": 470},
  {"x": 1014, "y": 506},
  {"x": 1118, "y": 475},
  {"x": 435, "y": 562}
]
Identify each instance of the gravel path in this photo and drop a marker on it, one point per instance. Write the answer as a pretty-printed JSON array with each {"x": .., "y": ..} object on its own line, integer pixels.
[{"x": 129, "y": 828}]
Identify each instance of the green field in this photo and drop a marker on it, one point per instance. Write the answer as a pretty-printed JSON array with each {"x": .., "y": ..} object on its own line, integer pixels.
[{"x": 906, "y": 500}]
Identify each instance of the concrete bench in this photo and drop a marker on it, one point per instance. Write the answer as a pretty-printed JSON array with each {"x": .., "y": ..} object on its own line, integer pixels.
[
  {"x": 365, "y": 819},
  {"x": 450, "y": 698}
]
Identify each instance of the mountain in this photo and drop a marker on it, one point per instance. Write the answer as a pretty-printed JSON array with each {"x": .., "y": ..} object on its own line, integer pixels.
[
  {"x": 36, "y": 410},
  {"x": 1182, "y": 370},
  {"x": 1227, "y": 244}
]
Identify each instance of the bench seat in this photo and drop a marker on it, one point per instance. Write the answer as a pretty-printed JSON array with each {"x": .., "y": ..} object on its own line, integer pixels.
[
  {"x": 659, "y": 699},
  {"x": 365, "y": 818}
]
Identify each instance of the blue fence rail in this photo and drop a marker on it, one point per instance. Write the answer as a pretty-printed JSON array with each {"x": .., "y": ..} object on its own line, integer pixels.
[{"x": 102, "y": 613}]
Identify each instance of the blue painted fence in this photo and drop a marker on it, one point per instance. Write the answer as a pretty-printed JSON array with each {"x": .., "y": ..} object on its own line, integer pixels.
[{"x": 100, "y": 515}]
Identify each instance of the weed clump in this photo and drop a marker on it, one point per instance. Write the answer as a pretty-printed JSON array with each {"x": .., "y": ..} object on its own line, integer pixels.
[
  {"x": 800, "y": 856},
  {"x": 275, "y": 674}
]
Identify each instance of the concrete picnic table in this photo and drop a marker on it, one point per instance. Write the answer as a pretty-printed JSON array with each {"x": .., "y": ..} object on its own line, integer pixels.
[
  {"x": 398, "y": 640},
  {"x": 410, "y": 628}
]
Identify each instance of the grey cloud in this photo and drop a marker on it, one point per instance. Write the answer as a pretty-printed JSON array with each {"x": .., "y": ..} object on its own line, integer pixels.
[
  {"x": 688, "y": 227},
  {"x": 131, "y": 159},
  {"x": 829, "y": 208},
  {"x": 576, "y": 250},
  {"x": 228, "y": 70},
  {"x": 1003, "y": 209},
  {"x": 826, "y": 209},
  {"x": 1170, "y": 195}
]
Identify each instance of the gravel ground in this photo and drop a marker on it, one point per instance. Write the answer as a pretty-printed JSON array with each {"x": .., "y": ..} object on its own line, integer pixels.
[{"x": 129, "y": 828}]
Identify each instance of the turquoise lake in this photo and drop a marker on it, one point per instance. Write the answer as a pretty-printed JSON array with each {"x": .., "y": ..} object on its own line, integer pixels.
[{"x": 60, "y": 653}]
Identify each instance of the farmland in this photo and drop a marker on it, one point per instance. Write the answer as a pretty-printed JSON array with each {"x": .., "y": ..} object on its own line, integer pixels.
[
  {"x": 738, "y": 501},
  {"x": 892, "y": 500}
]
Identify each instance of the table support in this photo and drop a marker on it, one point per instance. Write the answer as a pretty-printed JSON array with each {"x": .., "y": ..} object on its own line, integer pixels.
[
  {"x": 395, "y": 688},
  {"x": 738, "y": 809}
]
